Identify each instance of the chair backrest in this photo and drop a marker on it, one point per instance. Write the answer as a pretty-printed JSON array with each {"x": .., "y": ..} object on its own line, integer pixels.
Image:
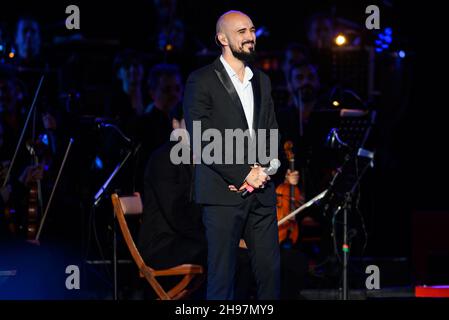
[
  {"x": 132, "y": 205},
  {"x": 126, "y": 206}
]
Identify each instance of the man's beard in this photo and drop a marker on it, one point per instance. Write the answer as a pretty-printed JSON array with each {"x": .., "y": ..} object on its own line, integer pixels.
[{"x": 246, "y": 57}]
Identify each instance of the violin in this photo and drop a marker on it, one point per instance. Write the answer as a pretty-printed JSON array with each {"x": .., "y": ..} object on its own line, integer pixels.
[
  {"x": 35, "y": 202},
  {"x": 9, "y": 211},
  {"x": 288, "y": 199},
  {"x": 32, "y": 212}
]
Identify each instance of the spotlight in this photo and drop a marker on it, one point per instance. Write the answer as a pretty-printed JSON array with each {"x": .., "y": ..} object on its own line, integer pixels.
[
  {"x": 335, "y": 103},
  {"x": 401, "y": 54},
  {"x": 98, "y": 163},
  {"x": 384, "y": 40},
  {"x": 340, "y": 40}
]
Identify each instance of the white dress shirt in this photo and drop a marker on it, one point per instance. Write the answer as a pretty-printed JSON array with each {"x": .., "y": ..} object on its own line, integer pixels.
[{"x": 244, "y": 90}]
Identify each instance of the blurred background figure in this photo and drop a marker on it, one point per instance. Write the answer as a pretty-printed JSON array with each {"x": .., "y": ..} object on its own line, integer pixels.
[
  {"x": 294, "y": 53},
  {"x": 127, "y": 98},
  {"x": 172, "y": 231},
  {"x": 320, "y": 31},
  {"x": 28, "y": 41}
]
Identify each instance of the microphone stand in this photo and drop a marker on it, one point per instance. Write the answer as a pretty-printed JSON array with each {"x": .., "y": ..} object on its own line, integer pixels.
[
  {"x": 100, "y": 195},
  {"x": 346, "y": 206}
]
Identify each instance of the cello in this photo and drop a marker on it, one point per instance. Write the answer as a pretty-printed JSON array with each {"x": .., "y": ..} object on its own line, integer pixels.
[{"x": 288, "y": 199}]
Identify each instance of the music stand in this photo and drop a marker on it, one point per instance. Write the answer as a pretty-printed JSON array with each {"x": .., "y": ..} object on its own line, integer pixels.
[
  {"x": 348, "y": 133},
  {"x": 105, "y": 188}
]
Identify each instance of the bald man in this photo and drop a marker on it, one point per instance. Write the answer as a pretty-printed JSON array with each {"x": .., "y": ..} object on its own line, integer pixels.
[{"x": 231, "y": 94}]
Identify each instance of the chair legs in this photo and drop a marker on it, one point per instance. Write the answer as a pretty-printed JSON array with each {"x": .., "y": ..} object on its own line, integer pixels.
[{"x": 179, "y": 291}]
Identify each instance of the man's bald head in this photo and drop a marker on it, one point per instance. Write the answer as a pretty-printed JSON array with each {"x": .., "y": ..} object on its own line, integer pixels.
[
  {"x": 228, "y": 18},
  {"x": 237, "y": 35}
]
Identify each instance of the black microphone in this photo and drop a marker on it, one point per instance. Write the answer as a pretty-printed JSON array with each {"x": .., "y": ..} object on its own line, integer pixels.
[
  {"x": 116, "y": 128},
  {"x": 334, "y": 141},
  {"x": 132, "y": 145},
  {"x": 271, "y": 170}
]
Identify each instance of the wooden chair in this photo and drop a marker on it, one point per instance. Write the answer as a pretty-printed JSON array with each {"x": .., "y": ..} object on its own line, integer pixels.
[{"x": 193, "y": 275}]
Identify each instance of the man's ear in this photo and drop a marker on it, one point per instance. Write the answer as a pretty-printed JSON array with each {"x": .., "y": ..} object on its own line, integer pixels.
[{"x": 221, "y": 39}]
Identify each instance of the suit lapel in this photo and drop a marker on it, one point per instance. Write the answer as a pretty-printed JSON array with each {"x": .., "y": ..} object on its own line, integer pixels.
[
  {"x": 255, "y": 83},
  {"x": 229, "y": 86}
]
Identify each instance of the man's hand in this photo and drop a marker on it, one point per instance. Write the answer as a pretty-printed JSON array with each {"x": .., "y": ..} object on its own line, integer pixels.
[
  {"x": 257, "y": 178},
  {"x": 234, "y": 189},
  {"x": 32, "y": 174}
]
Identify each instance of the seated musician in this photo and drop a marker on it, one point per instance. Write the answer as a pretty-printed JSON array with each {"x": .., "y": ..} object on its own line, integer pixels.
[{"x": 171, "y": 232}]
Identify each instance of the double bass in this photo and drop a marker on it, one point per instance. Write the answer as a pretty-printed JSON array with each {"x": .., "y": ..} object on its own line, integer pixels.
[{"x": 288, "y": 199}]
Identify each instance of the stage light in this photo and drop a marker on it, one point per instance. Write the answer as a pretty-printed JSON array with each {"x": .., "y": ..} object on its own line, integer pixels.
[
  {"x": 401, "y": 54},
  {"x": 335, "y": 103},
  {"x": 44, "y": 139},
  {"x": 384, "y": 40},
  {"x": 340, "y": 40},
  {"x": 98, "y": 163},
  {"x": 169, "y": 47},
  {"x": 262, "y": 31},
  {"x": 11, "y": 55}
]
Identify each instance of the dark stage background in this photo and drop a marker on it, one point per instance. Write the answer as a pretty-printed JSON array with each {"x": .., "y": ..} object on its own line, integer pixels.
[{"x": 403, "y": 198}]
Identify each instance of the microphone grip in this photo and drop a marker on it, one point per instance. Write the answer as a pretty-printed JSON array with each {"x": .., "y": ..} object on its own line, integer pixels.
[{"x": 248, "y": 189}]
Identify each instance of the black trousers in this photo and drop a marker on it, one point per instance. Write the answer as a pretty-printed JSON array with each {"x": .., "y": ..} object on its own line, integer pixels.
[{"x": 257, "y": 225}]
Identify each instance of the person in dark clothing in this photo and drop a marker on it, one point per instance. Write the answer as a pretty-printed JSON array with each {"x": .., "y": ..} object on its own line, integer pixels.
[
  {"x": 229, "y": 94},
  {"x": 171, "y": 232},
  {"x": 294, "y": 119},
  {"x": 148, "y": 126},
  {"x": 165, "y": 88},
  {"x": 298, "y": 124}
]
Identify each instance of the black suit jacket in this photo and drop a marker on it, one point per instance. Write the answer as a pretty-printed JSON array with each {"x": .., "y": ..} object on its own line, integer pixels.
[{"x": 210, "y": 97}]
